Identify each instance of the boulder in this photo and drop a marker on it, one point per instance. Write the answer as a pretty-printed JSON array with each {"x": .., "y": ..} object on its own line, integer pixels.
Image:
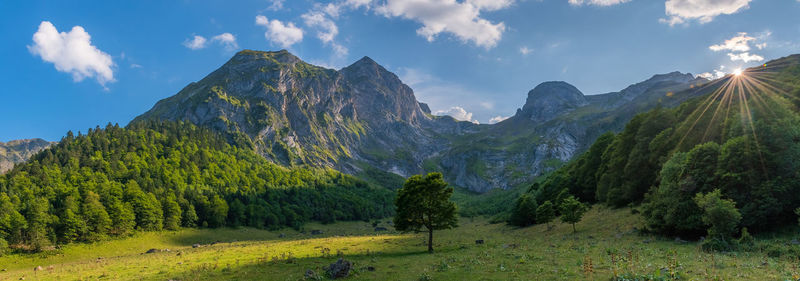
[
  {"x": 195, "y": 245},
  {"x": 339, "y": 269},
  {"x": 152, "y": 251},
  {"x": 316, "y": 232}
]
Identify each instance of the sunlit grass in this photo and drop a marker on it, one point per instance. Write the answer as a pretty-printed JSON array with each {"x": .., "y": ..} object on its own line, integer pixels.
[{"x": 533, "y": 253}]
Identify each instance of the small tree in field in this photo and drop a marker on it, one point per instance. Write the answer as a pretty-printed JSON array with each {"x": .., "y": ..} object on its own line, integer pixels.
[
  {"x": 425, "y": 202},
  {"x": 545, "y": 213},
  {"x": 572, "y": 211}
]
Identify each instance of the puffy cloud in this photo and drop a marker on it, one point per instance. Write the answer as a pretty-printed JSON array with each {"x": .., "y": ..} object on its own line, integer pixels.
[
  {"x": 279, "y": 33},
  {"x": 462, "y": 19},
  {"x": 497, "y": 119},
  {"x": 739, "y": 43},
  {"x": 326, "y": 28},
  {"x": 597, "y": 2},
  {"x": 72, "y": 52},
  {"x": 745, "y": 57},
  {"x": 458, "y": 113},
  {"x": 196, "y": 43},
  {"x": 714, "y": 74},
  {"x": 704, "y": 11},
  {"x": 227, "y": 40},
  {"x": 524, "y": 50},
  {"x": 738, "y": 47}
]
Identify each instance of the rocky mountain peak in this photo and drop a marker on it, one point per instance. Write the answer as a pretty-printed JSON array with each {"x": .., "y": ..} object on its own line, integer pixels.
[{"x": 550, "y": 99}]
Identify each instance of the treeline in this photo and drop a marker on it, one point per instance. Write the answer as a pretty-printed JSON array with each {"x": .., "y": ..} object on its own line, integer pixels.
[
  {"x": 739, "y": 144},
  {"x": 166, "y": 175}
]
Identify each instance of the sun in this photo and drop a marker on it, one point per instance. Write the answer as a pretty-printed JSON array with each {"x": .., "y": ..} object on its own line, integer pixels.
[{"x": 737, "y": 72}]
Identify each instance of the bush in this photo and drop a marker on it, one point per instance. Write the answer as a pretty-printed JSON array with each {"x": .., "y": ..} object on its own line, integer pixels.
[
  {"x": 3, "y": 247},
  {"x": 746, "y": 241}
]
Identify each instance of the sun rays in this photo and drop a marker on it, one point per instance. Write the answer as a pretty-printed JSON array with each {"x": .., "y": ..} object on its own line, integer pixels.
[{"x": 744, "y": 96}]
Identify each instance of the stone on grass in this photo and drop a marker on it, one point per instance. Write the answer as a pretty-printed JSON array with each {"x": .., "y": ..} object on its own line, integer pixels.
[{"x": 339, "y": 269}]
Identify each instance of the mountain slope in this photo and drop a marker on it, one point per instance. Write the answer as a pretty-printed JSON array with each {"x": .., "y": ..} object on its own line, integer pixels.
[
  {"x": 18, "y": 151},
  {"x": 363, "y": 120},
  {"x": 741, "y": 137}
]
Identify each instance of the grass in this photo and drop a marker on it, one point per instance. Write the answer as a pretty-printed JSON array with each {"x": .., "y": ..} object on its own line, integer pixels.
[{"x": 533, "y": 253}]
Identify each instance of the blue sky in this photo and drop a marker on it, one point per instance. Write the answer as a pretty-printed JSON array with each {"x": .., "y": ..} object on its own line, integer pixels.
[{"x": 95, "y": 62}]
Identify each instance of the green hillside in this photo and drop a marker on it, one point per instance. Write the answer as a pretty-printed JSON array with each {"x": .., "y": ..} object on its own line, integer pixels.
[
  {"x": 113, "y": 181},
  {"x": 741, "y": 138}
]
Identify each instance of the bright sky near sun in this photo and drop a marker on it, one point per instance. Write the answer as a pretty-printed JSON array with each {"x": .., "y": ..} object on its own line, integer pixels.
[{"x": 72, "y": 65}]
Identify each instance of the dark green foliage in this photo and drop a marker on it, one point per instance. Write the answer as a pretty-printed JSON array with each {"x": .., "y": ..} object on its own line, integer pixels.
[
  {"x": 572, "y": 211},
  {"x": 524, "y": 212},
  {"x": 545, "y": 213},
  {"x": 744, "y": 144},
  {"x": 164, "y": 175},
  {"x": 720, "y": 214},
  {"x": 424, "y": 202}
]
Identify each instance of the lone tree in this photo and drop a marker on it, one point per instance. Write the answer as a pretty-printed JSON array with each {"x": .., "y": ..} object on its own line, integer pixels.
[
  {"x": 572, "y": 211},
  {"x": 425, "y": 202},
  {"x": 545, "y": 213}
]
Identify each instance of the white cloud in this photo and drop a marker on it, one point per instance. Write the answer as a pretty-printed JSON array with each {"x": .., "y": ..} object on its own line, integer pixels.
[
  {"x": 325, "y": 27},
  {"x": 441, "y": 95},
  {"x": 714, "y": 74},
  {"x": 739, "y": 47},
  {"x": 597, "y": 2},
  {"x": 524, "y": 50},
  {"x": 198, "y": 42},
  {"x": 704, "y": 11},
  {"x": 745, "y": 57},
  {"x": 227, "y": 40},
  {"x": 195, "y": 43},
  {"x": 461, "y": 19},
  {"x": 279, "y": 33},
  {"x": 72, "y": 52},
  {"x": 275, "y": 5},
  {"x": 497, "y": 119},
  {"x": 739, "y": 43},
  {"x": 133, "y": 65},
  {"x": 457, "y": 112}
]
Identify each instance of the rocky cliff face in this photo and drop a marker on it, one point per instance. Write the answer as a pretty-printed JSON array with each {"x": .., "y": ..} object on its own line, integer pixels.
[
  {"x": 17, "y": 151},
  {"x": 300, "y": 114},
  {"x": 362, "y": 119}
]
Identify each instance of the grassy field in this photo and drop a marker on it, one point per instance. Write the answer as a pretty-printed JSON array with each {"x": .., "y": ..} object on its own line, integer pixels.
[{"x": 533, "y": 253}]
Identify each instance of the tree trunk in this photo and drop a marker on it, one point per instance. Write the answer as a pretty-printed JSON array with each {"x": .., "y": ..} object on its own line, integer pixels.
[
  {"x": 573, "y": 228},
  {"x": 430, "y": 241}
]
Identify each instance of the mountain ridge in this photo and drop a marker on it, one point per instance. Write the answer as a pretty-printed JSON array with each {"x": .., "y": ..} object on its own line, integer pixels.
[{"x": 362, "y": 119}]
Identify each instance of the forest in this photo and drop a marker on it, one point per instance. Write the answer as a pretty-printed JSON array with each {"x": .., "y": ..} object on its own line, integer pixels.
[
  {"x": 740, "y": 144},
  {"x": 151, "y": 175}
]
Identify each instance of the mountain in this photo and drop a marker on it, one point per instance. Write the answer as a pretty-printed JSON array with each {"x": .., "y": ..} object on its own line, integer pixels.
[
  {"x": 738, "y": 139},
  {"x": 17, "y": 151},
  {"x": 556, "y": 123},
  {"x": 364, "y": 120}
]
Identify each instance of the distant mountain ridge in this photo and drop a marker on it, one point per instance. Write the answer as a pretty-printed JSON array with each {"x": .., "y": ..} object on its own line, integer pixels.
[
  {"x": 364, "y": 120},
  {"x": 17, "y": 151}
]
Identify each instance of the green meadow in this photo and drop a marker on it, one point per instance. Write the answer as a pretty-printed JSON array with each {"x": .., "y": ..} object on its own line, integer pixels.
[{"x": 607, "y": 246}]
